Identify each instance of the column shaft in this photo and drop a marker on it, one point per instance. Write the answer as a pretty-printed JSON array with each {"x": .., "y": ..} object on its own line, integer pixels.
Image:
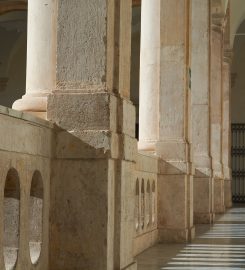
[
  {"x": 216, "y": 115},
  {"x": 149, "y": 75},
  {"x": 41, "y": 62},
  {"x": 226, "y": 137}
]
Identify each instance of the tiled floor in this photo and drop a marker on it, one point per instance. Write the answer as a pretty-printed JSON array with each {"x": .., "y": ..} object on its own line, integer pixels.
[{"x": 217, "y": 247}]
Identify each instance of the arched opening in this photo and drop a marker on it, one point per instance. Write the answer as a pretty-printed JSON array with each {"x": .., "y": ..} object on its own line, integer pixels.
[
  {"x": 148, "y": 204},
  {"x": 13, "y": 33},
  {"x": 137, "y": 205},
  {"x": 11, "y": 211},
  {"x": 142, "y": 205},
  {"x": 238, "y": 115},
  {"x": 153, "y": 203},
  {"x": 36, "y": 216}
]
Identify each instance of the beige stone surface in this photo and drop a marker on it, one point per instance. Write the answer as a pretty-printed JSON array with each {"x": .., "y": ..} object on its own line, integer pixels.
[
  {"x": 219, "y": 206},
  {"x": 203, "y": 200},
  {"x": 26, "y": 145},
  {"x": 228, "y": 193},
  {"x": 175, "y": 220},
  {"x": 82, "y": 191},
  {"x": 216, "y": 99},
  {"x": 105, "y": 202},
  {"x": 145, "y": 241}
]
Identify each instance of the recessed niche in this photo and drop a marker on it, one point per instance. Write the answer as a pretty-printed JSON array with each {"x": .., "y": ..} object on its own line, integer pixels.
[
  {"x": 153, "y": 198},
  {"x": 11, "y": 214},
  {"x": 137, "y": 205},
  {"x": 36, "y": 217},
  {"x": 148, "y": 203},
  {"x": 142, "y": 204}
]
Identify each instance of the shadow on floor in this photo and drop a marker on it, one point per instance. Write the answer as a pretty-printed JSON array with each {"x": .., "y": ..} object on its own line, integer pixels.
[{"x": 220, "y": 246}]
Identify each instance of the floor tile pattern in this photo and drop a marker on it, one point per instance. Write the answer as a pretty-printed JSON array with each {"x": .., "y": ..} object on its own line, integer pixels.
[{"x": 219, "y": 246}]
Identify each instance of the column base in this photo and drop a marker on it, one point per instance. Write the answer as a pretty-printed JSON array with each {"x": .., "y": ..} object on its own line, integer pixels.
[
  {"x": 169, "y": 235},
  {"x": 35, "y": 105}
]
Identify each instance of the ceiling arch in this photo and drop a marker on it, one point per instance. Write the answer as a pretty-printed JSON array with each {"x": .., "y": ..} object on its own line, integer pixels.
[{"x": 8, "y": 6}]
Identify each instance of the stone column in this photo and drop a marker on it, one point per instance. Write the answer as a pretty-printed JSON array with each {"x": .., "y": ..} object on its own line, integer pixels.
[
  {"x": 40, "y": 74},
  {"x": 200, "y": 80},
  {"x": 216, "y": 114},
  {"x": 165, "y": 112},
  {"x": 149, "y": 75},
  {"x": 226, "y": 138},
  {"x": 92, "y": 196}
]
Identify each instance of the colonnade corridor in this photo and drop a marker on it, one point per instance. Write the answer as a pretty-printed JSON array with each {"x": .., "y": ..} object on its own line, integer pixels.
[{"x": 218, "y": 247}]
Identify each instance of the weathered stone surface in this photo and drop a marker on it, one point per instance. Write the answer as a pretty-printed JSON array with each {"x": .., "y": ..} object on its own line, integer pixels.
[
  {"x": 79, "y": 190},
  {"x": 203, "y": 200},
  {"x": 26, "y": 146}
]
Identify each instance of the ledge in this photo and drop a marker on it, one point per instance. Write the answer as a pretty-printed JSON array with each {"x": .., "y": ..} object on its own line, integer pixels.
[{"x": 26, "y": 117}]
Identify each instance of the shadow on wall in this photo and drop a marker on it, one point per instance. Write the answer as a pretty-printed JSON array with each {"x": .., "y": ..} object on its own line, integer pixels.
[
  {"x": 13, "y": 34},
  {"x": 238, "y": 78}
]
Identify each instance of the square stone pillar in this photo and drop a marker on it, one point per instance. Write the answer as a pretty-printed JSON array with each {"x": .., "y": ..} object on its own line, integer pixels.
[
  {"x": 92, "y": 196},
  {"x": 165, "y": 112},
  {"x": 216, "y": 113},
  {"x": 201, "y": 125}
]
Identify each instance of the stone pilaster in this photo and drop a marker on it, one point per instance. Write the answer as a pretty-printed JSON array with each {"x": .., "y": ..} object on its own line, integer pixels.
[
  {"x": 216, "y": 112},
  {"x": 165, "y": 112},
  {"x": 201, "y": 126},
  {"x": 226, "y": 138}
]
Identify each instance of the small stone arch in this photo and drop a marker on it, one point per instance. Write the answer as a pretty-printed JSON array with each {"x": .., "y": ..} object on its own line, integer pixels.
[
  {"x": 148, "y": 203},
  {"x": 142, "y": 204},
  {"x": 36, "y": 216},
  {"x": 153, "y": 202},
  {"x": 11, "y": 212},
  {"x": 137, "y": 205}
]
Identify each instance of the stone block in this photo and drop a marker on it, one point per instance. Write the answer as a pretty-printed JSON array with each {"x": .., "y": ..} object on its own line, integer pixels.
[
  {"x": 147, "y": 162},
  {"x": 144, "y": 241},
  {"x": 80, "y": 112},
  {"x": 125, "y": 213},
  {"x": 127, "y": 118},
  {"x": 202, "y": 206},
  {"x": 228, "y": 193},
  {"x": 26, "y": 137},
  {"x": 175, "y": 205},
  {"x": 82, "y": 203},
  {"x": 219, "y": 206},
  {"x": 129, "y": 148},
  {"x": 170, "y": 235},
  {"x": 87, "y": 144}
]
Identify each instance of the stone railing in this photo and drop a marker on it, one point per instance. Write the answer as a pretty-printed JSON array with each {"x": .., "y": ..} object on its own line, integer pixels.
[
  {"x": 145, "y": 202},
  {"x": 25, "y": 157}
]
